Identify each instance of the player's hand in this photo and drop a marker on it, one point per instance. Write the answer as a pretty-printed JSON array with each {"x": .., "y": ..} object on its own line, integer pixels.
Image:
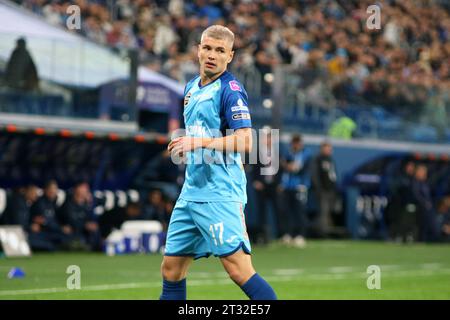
[
  {"x": 172, "y": 143},
  {"x": 181, "y": 145}
]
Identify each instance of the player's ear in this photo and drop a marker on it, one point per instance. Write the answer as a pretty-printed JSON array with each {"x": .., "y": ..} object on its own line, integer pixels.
[
  {"x": 198, "y": 50},
  {"x": 231, "y": 56}
]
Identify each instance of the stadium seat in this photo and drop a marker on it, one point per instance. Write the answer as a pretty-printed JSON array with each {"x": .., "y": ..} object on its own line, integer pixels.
[
  {"x": 2, "y": 201},
  {"x": 121, "y": 198},
  {"x": 133, "y": 195},
  {"x": 109, "y": 200},
  {"x": 61, "y": 197},
  {"x": 106, "y": 200}
]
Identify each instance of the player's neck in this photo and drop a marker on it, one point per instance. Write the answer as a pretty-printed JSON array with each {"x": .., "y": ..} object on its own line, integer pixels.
[{"x": 205, "y": 80}]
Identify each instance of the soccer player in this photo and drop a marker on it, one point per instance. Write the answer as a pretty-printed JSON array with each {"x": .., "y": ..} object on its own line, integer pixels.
[{"x": 208, "y": 216}]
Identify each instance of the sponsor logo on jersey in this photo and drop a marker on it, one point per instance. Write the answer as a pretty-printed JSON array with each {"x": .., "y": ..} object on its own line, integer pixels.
[
  {"x": 239, "y": 108},
  {"x": 241, "y": 116},
  {"x": 234, "y": 85}
]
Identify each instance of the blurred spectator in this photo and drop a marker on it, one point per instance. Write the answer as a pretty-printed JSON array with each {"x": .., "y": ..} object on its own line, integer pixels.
[
  {"x": 295, "y": 184},
  {"x": 265, "y": 59},
  {"x": 266, "y": 188},
  {"x": 400, "y": 214},
  {"x": 43, "y": 211},
  {"x": 444, "y": 219},
  {"x": 78, "y": 219},
  {"x": 21, "y": 72},
  {"x": 45, "y": 228},
  {"x": 342, "y": 128},
  {"x": 324, "y": 185},
  {"x": 154, "y": 207},
  {"x": 158, "y": 207},
  {"x": 426, "y": 212},
  {"x": 114, "y": 219},
  {"x": 18, "y": 210},
  {"x": 164, "y": 35},
  {"x": 168, "y": 208}
]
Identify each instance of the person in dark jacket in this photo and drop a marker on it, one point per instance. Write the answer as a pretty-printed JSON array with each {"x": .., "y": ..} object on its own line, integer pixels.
[
  {"x": 44, "y": 225},
  {"x": 295, "y": 184},
  {"x": 78, "y": 219},
  {"x": 21, "y": 72},
  {"x": 266, "y": 189},
  {"x": 401, "y": 213},
  {"x": 17, "y": 211},
  {"x": 324, "y": 181},
  {"x": 428, "y": 226},
  {"x": 153, "y": 208},
  {"x": 444, "y": 218}
]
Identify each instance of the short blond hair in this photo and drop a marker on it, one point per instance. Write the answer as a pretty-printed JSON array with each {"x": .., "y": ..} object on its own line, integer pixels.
[{"x": 219, "y": 32}]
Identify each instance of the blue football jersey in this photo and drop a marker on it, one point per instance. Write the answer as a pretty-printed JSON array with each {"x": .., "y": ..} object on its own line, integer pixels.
[{"x": 210, "y": 111}]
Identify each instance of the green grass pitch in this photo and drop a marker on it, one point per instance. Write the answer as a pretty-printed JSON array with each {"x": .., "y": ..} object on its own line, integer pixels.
[{"x": 322, "y": 270}]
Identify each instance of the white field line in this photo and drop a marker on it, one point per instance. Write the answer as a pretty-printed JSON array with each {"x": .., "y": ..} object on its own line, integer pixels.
[
  {"x": 391, "y": 267},
  {"x": 431, "y": 266},
  {"x": 343, "y": 269},
  {"x": 104, "y": 287},
  {"x": 280, "y": 275},
  {"x": 287, "y": 272}
]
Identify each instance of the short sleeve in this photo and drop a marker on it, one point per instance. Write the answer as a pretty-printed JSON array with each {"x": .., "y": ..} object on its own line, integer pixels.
[
  {"x": 188, "y": 85},
  {"x": 235, "y": 105}
]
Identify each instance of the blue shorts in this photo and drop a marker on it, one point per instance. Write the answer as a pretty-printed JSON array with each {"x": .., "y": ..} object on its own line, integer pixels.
[{"x": 200, "y": 229}]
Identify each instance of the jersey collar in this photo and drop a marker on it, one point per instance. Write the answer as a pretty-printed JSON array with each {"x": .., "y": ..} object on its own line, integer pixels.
[{"x": 200, "y": 80}]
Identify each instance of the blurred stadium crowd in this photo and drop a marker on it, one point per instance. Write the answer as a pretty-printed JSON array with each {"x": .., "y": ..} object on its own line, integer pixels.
[{"x": 406, "y": 63}]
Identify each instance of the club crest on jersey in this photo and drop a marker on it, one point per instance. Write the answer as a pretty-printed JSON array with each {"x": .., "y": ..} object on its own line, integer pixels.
[
  {"x": 186, "y": 99},
  {"x": 234, "y": 85}
]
